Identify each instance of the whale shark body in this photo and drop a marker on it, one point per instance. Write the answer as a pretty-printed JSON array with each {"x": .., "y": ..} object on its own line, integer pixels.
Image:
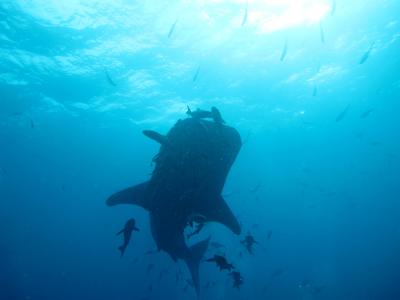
[{"x": 190, "y": 172}]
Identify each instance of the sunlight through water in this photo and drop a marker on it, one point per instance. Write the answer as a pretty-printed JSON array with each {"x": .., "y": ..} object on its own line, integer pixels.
[{"x": 273, "y": 15}]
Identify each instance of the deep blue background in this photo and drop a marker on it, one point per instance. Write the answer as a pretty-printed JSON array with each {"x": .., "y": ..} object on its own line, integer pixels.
[{"x": 328, "y": 190}]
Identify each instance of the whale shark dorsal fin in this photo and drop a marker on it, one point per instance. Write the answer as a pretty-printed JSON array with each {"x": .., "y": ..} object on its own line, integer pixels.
[
  {"x": 221, "y": 213},
  {"x": 158, "y": 137},
  {"x": 133, "y": 195}
]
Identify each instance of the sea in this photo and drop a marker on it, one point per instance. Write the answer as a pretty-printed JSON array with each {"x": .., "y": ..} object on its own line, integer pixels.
[{"x": 311, "y": 86}]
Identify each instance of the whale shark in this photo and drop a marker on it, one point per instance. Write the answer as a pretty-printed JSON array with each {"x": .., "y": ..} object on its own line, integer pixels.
[{"x": 189, "y": 174}]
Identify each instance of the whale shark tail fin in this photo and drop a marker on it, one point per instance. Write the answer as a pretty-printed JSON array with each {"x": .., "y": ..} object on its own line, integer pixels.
[{"x": 196, "y": 253}]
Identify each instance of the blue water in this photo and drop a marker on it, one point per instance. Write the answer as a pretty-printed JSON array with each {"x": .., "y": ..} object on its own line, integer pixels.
[{"x": 313, "y": 87}]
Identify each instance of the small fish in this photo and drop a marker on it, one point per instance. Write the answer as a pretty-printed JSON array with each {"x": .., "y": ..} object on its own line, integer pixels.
[
  {"x": 237, "y": 279},
  {"x": 199, "y": 113},
  {"x": 221, "y": 262},
  {"x": 315, "y": 91},
  {"x": 172, "y": 29},
  {"x": 245, "y": 13},
  {"x": 365, "y": 56},
  {"x": 343, "y": 114},
  {"x": 130, "y": 226},
  {"x": 269, "y": 235},
  {"x": 109, "y": 79},
  {"x": 321, "y": 33},
  {"x": 366, "y": 113},
  {"x": 248, "y": 242},
  {"x": 284, "y": 50},
  {"x": 32, "y": 124},
  {"x": 196, "y": 75},
  {"x": 333, "y": 7}
]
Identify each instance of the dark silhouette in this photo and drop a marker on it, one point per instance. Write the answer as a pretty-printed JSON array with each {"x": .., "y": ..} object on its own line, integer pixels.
[
  {"x": 248, "y": 242},
  {"x": 206, "y": 114},
  {"x": 196, "y": 75},
  {"x": 237, "y": 279},
  {"x": 366, "y": 113},
  {"x": 284, "y": 50},
  {"x": 130, "y": 226},
  {"x": 172, "y": 29},
  {"x": 221, "y": 263},
  {"x": 109, "y": 79},
  {"x": 216, "y": 115},
  {"x": 366, "y": 55},
  {"x": 190, "y": 172}
]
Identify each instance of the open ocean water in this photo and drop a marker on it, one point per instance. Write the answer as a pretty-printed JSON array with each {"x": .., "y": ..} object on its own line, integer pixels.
[{"x": 313, "y": 88}]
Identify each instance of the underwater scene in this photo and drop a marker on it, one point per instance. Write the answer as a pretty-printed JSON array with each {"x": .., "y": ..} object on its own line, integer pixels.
[{"x": 200, "y": 149}]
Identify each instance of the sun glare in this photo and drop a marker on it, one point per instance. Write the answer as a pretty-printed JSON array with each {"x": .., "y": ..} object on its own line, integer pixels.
[{"x": 275, "y": 15}]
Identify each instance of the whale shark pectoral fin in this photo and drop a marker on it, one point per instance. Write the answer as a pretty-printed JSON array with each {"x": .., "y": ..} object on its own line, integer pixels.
[
  {"x": 158, "y": 137},
  {"x": 219, "y": 211},
  {"x": 133, "y": 195}
]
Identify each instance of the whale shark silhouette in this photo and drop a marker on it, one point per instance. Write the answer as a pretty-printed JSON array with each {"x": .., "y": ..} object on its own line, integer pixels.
[{"x": 190, "y": 171}]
